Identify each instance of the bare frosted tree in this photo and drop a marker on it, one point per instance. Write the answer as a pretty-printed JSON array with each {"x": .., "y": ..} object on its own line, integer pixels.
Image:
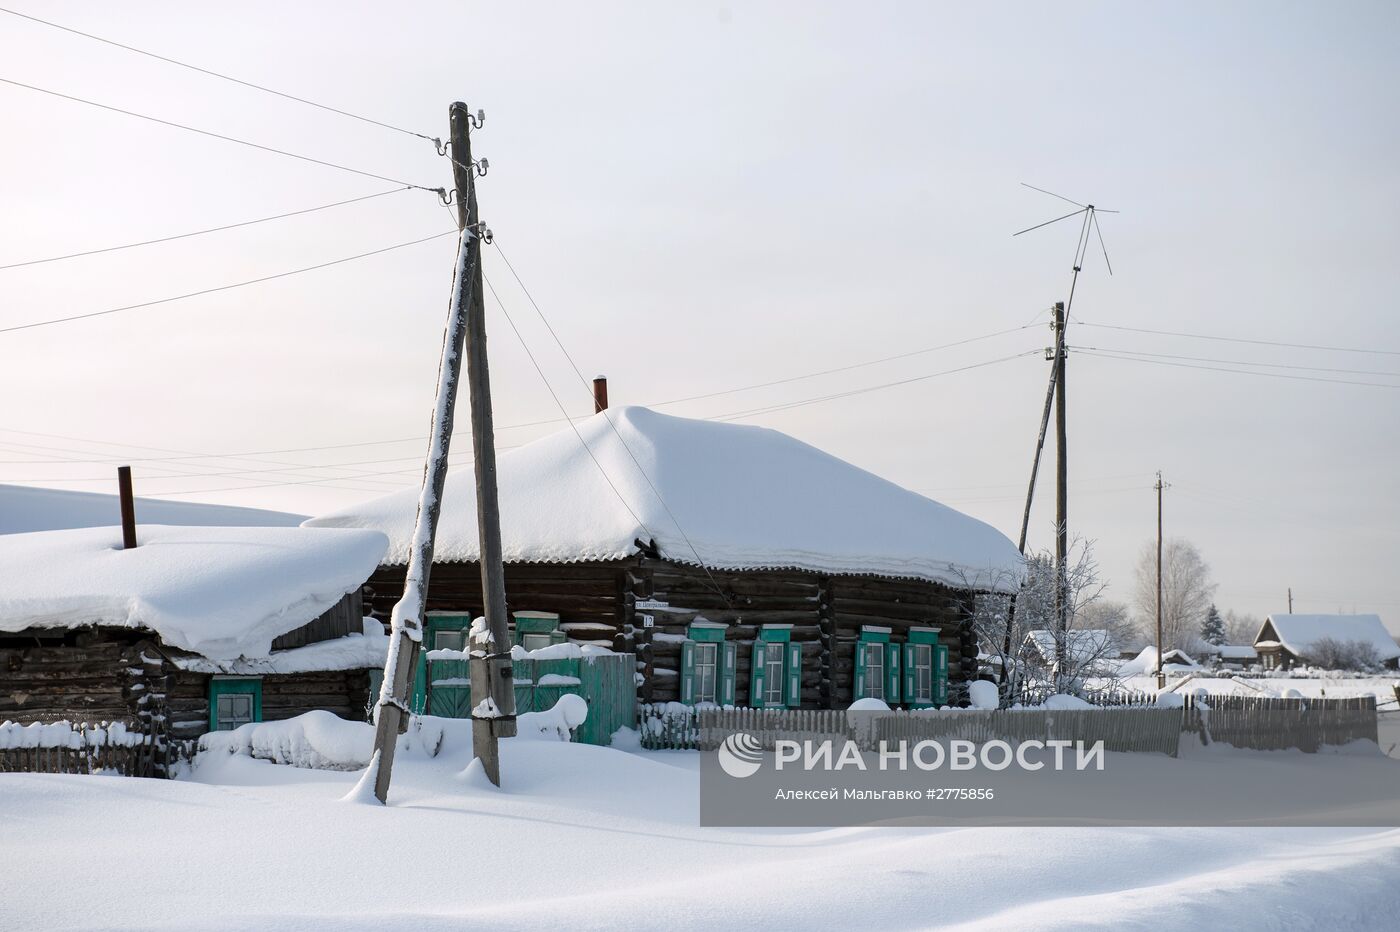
[
  {"x": 1186, "y": 591},
  {"x": 1050, "y": 660},
  {"x": 1240, "y": 627},
  {"x": 1334, "y": 654}
]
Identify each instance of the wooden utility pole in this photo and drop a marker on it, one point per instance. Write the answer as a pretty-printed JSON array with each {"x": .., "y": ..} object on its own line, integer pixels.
[
  {"x": 1290, "y": 600},
  {"x": 493, "y": 684},
  {"x": 1061, "y": 492},
  {"x": 407, "y": 619},
  {"x": 1161, "y": 677}
]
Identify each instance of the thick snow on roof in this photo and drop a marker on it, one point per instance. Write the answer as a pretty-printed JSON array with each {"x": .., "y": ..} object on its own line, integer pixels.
[
  {"x": 1299, "y": 632},
  {"x": 220, "y": 592},
  {"x": 1080, "y": 645},
  {"x": 24, "y": 509},
  {"x": 747, "y": 498}
]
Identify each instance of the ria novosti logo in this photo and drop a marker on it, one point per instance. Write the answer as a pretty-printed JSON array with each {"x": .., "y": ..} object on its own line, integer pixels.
[{"x": 740, "y": 755}]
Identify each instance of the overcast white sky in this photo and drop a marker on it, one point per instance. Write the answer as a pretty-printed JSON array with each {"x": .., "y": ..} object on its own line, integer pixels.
[{"x": 706, "y": 196}]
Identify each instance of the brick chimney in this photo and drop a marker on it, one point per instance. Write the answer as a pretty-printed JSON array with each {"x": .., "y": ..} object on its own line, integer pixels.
[{"x": 600, "y": 394}]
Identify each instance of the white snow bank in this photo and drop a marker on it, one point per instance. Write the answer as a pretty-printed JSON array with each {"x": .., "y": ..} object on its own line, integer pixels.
[
  {"x": 568, "y": 713},
  {"x": 983, "y": 694},
  {"x": 1066, "y": 702},
  {"x": 318, "y": 740},
  {"x": 1144, "y": 662},
  {"x": 222, "y": 592},
  {"x": 747, "y": 497},
  {"x": 868, "y": 705}
]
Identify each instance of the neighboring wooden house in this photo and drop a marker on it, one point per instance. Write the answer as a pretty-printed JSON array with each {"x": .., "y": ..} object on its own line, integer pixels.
[
  {"x": 1089, "y": 650},
  {"x": 193, "y": 630},
  {"x": 740, "y": 565},
  {"x": 1284, "y": 641},
  {"x": 1227, "y": 656}
]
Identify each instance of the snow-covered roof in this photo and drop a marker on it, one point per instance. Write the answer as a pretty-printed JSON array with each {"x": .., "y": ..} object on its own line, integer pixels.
[
  {"x": 24, "y": 509},
  {"x": 1080, "y": 645},
  {"x": 1236, "y": 652},
  {"x": 221, "y": 592},
  {"x": 746, "y": 497},
  {"x": 1299, "y": 633}
]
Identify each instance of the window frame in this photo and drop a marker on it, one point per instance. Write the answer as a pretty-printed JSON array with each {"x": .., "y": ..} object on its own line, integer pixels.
[{"x": 220, "y": 686}]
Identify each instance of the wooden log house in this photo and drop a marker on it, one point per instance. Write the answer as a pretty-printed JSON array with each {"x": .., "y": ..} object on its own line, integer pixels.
[
  {"x": 196, "y": 629},
  {"x": 740, "y": 565}
]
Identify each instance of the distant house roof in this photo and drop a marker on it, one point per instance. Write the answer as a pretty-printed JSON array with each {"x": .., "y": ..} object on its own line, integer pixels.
[
  {"x": 221, "y": 592},
  {"x": 1080, "y": 646},
  {"x": 1236, "y": 652},
  {"x": 1298, "y": 633},
  {"x": 732, "y": 495},
  {"x": 24, "y": 509}
]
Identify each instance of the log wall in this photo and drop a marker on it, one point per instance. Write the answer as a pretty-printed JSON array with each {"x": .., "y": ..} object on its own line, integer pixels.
[{"x": 597, "y": 602}]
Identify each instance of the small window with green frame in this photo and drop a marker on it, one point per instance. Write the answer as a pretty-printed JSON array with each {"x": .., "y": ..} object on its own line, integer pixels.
[
  {"x": 925, "y": 669},
  {"x": 708, "y": 663},
  {"x": 877, "y": 666},
  {"x": 234, "y": 701},
  {"x": 775, "y": 675}
]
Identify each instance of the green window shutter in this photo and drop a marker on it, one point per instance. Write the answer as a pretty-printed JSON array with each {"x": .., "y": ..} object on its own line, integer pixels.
[
  {"x": 729, "y": 663},
  {"x": 793, "y": 693},
  {"x": 908, "y": 651},
  {"x": 756, "y": 676},
  {"x": 688, "y": 672},
  {"x": 223, "y": 686},
  {"x": 940, "y": 675},
  {"x": 892, "y": 674},
  {"x": 861, "y": 660}
]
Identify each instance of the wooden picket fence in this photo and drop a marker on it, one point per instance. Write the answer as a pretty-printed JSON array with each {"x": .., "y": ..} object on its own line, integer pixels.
[
  {"x": 1131, "y": 729},
  {"x": 1266, "y": 723},
  {"x": 1131, "y": 725},
  {"x": 89, "y": 747}
]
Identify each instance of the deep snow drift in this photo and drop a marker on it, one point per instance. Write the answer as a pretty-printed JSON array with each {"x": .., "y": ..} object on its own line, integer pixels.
[
  {"x": 598, "y": 838},
  {"x": 222, "y": 592},
  {"x": 747, "y": 498}
]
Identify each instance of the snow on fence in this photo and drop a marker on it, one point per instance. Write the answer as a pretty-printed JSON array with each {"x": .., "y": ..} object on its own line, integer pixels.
[
  {"x": 1130, "y": 729},
  {"x": 1142, "y": 725},
  {"x": 87, "y": 747}
]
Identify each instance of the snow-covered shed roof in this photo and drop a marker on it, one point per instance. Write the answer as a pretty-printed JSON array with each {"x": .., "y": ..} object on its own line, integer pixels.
[
  {"x": 222, "y": 592},
  {"x": 747, "y": 498},
  {"x": 1081, "y": 645},
  {"x": 1236, "y": 652},
  {"x": 1298, "y": 633},
  {"x": 26, "y": 508}
]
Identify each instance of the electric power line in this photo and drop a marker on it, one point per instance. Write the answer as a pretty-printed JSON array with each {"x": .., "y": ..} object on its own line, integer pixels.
[
  {"x": 1204, "y": 336},
  {"x": 205, "y": 291},
  {"x": 1271, "y": 375},
  {"x": 229, "y": 226},
  {"x": 214, "y": 135},
  {"x": 654, "y": 491},
  {"x": 1237, "y": 362},
  {"x": 216, "y": 74}
]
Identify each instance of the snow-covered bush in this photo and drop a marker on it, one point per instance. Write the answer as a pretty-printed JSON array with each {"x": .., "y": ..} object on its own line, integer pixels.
[{"x": 1335, "y": 654}]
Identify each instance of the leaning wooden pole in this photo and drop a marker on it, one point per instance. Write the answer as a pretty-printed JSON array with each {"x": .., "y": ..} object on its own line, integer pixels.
[
  {"x": 493, "y": 685},
  {"x": 406, "y": 621}
]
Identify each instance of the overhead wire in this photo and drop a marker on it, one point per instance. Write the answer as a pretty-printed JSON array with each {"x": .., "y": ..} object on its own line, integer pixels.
[
  {"x": 216, "y": 74},
  {"x": 219, "y": 288},
  {"x": 1271, "y": 375},
  {"x": 214, "y": 135},
  {"x": 1204, "y": 336},
  {"x": 218, "y": 229}
]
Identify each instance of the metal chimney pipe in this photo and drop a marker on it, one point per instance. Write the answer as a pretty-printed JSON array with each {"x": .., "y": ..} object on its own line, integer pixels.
[
  {"x": 128, "y": 507},
  {"x": 600, "y": 394}
]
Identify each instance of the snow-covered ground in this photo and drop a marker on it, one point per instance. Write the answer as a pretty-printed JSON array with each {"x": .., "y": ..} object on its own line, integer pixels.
[{"x": 591, "y": 837}]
